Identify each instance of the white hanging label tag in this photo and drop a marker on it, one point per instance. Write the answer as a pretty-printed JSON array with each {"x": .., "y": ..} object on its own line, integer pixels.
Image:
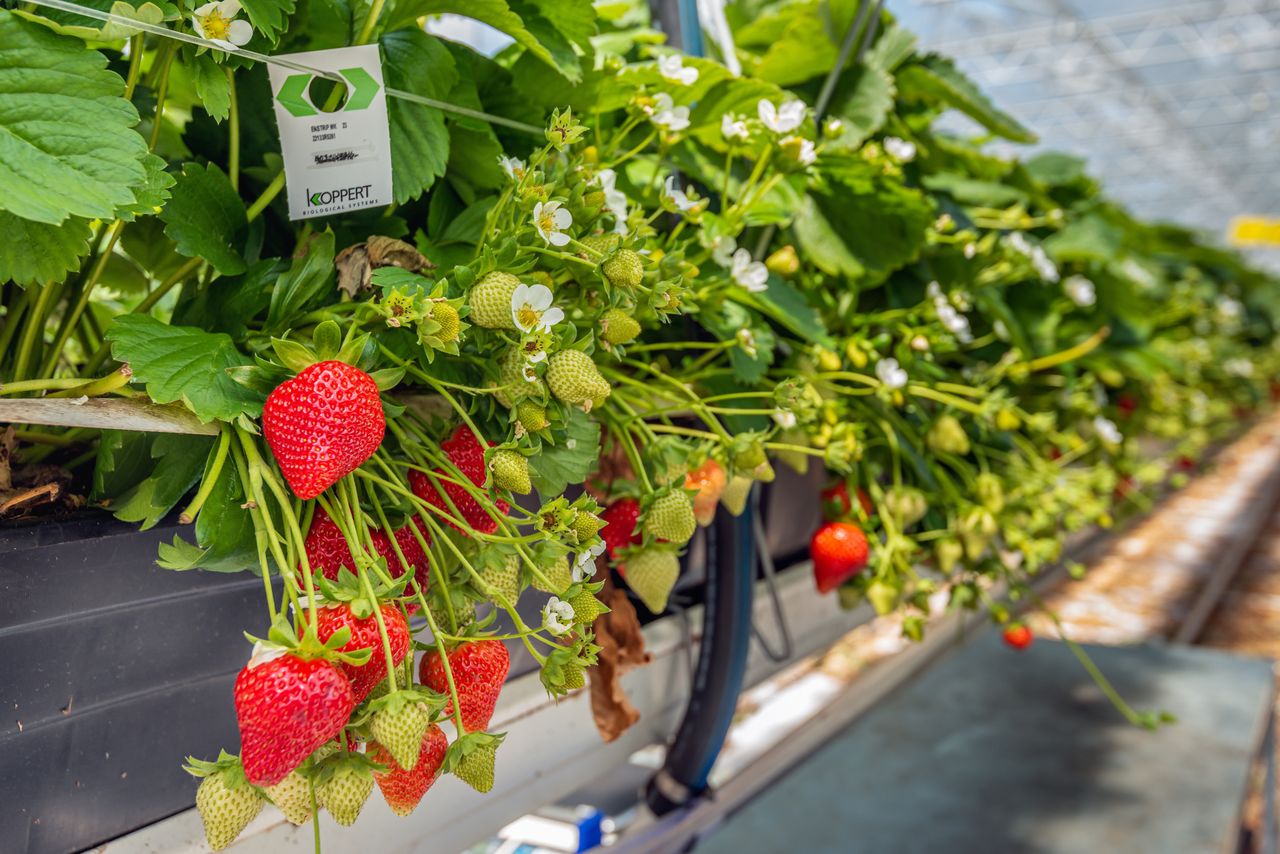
[{"x": 340, "y": 161}]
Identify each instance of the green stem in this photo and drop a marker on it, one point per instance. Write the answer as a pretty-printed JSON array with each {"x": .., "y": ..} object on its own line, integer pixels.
[
  {"x": 113, "y": 381},
  {"x": 268, "y": 195},
  {"x": 33, "y": 334},
  {"x": 206, "y": 485},
  {"x": 162, "y": 92},
  {"x": 233, "y": 131},
  {"x": 135, "y": 65},
  {"x": 72, "y": 317}
]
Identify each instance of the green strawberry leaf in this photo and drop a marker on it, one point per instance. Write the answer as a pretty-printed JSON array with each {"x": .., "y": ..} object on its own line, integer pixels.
[
  {"x": 309, "y": 277},
  {"x": 177, "y": 461},
  {"x": 269, "y": 17},
  {"x": 212, "y": 86},
  {"x": 502, "y": 16},
  {"x": 418, "y": 63},
  {"x": 184, "y": 363},
  {"x": 123, "y": 461},
  {"x": 936, "y": 78},
  {"x": 35, "y": 252},
  {"x": 570, "y": 460},
  {"x": 206, "y": 218},
  {"x": 151, "y": 195},
  {"x": 224, "y": 531},
  {"x": 91, "y": 29},
  {"x": 67, "y": 141}
]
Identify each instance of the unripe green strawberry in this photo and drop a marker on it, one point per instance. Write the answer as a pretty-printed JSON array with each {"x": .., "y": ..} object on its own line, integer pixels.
[
  {"x": 292, "y": 796},
  {"x": 344, "y": 794},
  {"x": 464, "y": 614},
  {"x": 618, "y": 327},
  {"x": 532, "y": 416},
  {"x": 990, "y": 491},
  {"x": 883, "y": 597},
  {"x": 511, "y": 380},
  {"x": 558, "y": 574},
  {"x": 977, "y": 527},
  {"x": 734, "y": 497},
  {"x": 751, "y": 457},
  {"x": 906, "y": 504},
  {"x": 670, "y": 517},
  {"x": 476, "y": 768},
  {"x": 586, "y": 526},
  {"x": 504, "y": 578},
  {"x": 594, "y": 199},
  {"x": 586, "y": 608},
  {"x": 400, "y": 728},
  {"x": 227, "y": 803},
  {"x": 652, "y": 573},
  {"x": 947, "y": 436},
  {"x": 490, "y": 300},
  {"x": 602, "y": 243},
  {"x": 574, "y": 677},
  {"x": 511, "y": 471},
  {"x": 948, "y": 554},
  {"x": 447, "y": 316},
  {"x": 624, "y": 269},
  {"x": 575, "y": 379}
]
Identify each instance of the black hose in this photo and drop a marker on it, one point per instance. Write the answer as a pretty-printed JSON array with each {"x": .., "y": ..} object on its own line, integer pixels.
[{"x": 722, "y": 664}]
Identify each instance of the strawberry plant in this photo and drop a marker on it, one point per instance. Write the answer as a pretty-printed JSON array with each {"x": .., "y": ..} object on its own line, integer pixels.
[{"x": 607, "y": 265}]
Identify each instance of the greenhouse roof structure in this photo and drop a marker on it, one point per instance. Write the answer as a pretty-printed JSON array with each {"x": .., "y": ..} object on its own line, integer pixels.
[{"x": 1172, "y": 102}]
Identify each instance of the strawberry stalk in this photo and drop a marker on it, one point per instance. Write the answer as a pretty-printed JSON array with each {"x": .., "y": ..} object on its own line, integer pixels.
[
  {"x": 444, "y": 659},
  {"x": 266, "y": 475},
  {"x": 206, "y": 486},
  {"x": 347, "y": 503},
  {"x": 265, "y": 534}
]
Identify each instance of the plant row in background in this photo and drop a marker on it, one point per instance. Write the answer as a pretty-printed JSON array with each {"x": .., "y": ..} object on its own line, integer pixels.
[{"x": 555, "y": 356}]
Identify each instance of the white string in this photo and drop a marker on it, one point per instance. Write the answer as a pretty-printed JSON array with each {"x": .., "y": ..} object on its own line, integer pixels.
[{"x": 253, "y": 55}]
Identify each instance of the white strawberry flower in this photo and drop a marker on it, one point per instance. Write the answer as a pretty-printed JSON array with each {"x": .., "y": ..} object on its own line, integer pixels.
[
  {"x": 900, "y": 149},
  {"x": 803, "y": 150},
  {"x": 584, "y": 566},
  {"x": 668, "y": 116},
  {"x": 722, "y": 249},
  {"x": 832, "y": 126},
  {"x": 1080, "y": 290},
  {"x": 782, "y": 119},
  {"x": 615, "y": 201},
  {"x": 216, "y": 22},
  {"x": 784, "y": 418},
  {"x": 672, "y": 67},
  {"x": 551, "y": 220},
  {"x": 891, "y": 373},
  {"x": 734, "y": 129},
  {"x": 1238, "y": 367},
  {"x": 1107, "y": 430},
  {"x": 513, "y": 166},
  {"x": 531, "y": 308},
  {"x": 557, "y": 616},
  {"x": 752, "y": 275},
  {"x": 678, "y": 197},
  {"x": 970, "y": 249}
]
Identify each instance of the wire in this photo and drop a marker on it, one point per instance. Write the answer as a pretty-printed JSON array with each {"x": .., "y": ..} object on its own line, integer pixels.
[
  {"x": 771, "y": 582},
  {"x": 280, "y": 61}
]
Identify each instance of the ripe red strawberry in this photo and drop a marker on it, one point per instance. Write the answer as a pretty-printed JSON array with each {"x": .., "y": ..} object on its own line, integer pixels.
[
  {"x": 328, "y": 552},
  {"x": 619, "y": 529},
  {"x": 286, "y": 708},
  {"x": 479, "y": 669},
  {"x": 467, "y": 454},
  {"x": 839, "y": 552},
  {"x": 322, "y": 424},
  {"x": 364, "y": 635},
  {"x": 1018, "y": 636},
  {"x": 404, "y": 789}
]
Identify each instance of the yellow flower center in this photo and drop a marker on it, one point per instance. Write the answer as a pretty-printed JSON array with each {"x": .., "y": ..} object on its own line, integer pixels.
[
  {"x": 527, "y": 315},
  {"x": 547, "y": 222},
  {"x": 215, "y": 26}
]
